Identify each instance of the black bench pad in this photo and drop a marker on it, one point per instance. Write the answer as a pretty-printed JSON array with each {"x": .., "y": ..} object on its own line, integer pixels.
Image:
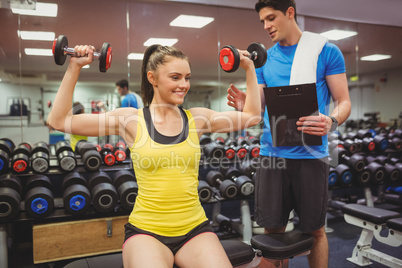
[
  {"x": 111, "y": 260},
  {"x": 282, "y": 246},
  {"x": 370, "y": 214},
  {"x": 238, "y": 252},
  {"x": 395, "y": 224}
]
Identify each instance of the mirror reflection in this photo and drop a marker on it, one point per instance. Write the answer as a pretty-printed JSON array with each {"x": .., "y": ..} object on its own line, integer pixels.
[{"x": 29, "y": 82}]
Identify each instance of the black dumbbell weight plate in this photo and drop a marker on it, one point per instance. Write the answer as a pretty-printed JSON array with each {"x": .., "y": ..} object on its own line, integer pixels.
[
  {"x": 4, "y": 161},
  {"x": 261, "y": 54},
  {"x": 121, "y": 177},
  {"x": 77, "y": 199},
  {"x": 105, "y": 59},
  {"x": 58, "y": 49},
  {"x": 39, "y": 202},
  {"x": 11, "y": 181},
  {"x": 204, "y": 191},
  {"x": 104, "y": 197},
  {"x": 73, "y": 178},
  {"x": 128, "y": 193},
  {"x": 9, "y": 204}
]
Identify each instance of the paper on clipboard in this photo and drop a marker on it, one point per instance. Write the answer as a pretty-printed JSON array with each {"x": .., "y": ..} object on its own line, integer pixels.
[{"x": 285, "y": 106}]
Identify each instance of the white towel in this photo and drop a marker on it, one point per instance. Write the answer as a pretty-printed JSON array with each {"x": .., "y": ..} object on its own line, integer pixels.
[{"x": 304, "y": 67}]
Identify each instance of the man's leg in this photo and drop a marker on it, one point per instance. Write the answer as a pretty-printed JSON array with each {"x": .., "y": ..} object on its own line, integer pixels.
[{"x": 318, "y": 257}]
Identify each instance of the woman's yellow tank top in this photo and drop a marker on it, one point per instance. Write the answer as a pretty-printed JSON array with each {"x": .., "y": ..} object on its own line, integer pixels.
[{"x": 167, "y": 175}]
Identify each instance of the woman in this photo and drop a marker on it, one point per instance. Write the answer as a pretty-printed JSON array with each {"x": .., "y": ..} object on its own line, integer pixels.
[{"x": 168, "y": 224}]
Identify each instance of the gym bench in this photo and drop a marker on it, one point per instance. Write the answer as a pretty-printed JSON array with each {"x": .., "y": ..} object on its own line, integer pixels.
[
  {"x": 276, "y": 248},
  {"x": 373, "y": 221}
]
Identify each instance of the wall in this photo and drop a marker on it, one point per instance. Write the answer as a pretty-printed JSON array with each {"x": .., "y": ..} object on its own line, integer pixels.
[{"x": 375, "y": 95}]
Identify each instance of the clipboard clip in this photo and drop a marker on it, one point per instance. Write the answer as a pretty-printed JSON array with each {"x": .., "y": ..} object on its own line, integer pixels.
[{"x": 289, "y": 91}]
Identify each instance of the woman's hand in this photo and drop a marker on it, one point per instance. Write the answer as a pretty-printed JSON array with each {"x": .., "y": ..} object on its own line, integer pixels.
[
  {"x": 83, "y": 55},
  {"x": 245, "y": 61}
]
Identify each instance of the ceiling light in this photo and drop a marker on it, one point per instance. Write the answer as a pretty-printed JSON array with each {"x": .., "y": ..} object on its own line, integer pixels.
[
  {"x": 375, "y": 57},
  {"x": 33, "y": 35},
  {"x": 42, "y": 9},
  {"x": 191, "y": 21},
  {"x": 135, "y": 56},
  {"x": 38, "y": 52},
  {"x": 161, "y": 41},
  {"x": 338, "y": 34}
]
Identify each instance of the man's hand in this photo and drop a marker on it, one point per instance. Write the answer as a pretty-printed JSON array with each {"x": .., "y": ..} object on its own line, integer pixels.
[
  {"x": 318, "y": 125},
  {"x": 236, "y": 98}
]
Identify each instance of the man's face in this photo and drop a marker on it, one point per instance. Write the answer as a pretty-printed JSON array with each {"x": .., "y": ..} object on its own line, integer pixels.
[
  {"x": 275, "y": 23},
  {"x": 122, "y": 91}
]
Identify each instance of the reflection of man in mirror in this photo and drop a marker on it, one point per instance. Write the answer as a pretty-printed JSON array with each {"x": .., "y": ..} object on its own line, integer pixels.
[
  {"x": 302, "y": 184},
  {"x": 131, "y": 99}
]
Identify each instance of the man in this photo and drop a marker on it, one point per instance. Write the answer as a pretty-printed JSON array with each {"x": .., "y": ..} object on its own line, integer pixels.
[
  {"x": 300, "y": 181},
  {"x": 131, "y": 99}
]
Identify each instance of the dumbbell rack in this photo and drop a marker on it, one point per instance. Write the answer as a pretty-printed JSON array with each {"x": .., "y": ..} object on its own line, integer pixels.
[
  {"x": 244, "y": 225},
  {"x": 59, "y": 214}
]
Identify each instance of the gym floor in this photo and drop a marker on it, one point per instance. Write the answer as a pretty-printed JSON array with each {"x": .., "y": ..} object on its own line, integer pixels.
[{"x": 342, "y": 240}]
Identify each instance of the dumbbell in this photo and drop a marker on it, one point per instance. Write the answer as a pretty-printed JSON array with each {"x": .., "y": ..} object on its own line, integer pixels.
[
  {"x": 103, "y": 192},
  {"x": 127, "y": 188},
  {"x": 392, "y": 173},
  {"x": 345, "y": 176},
  {"x": 365, "y": 133},
  {"x": 76, "y": 195},
  {"x": 225, "y": 224},
  {"x": 356, "y": 162},
  {"x": 40, "y": 157},
  {"x": 5, "y": 154},
  {"x": 227, "y": 188},
  {"x": 120, "y": 151},
  {"x": 381, "y": 143},
  {"x": 333, "y": 177},
  {"x": 20, "y": 159},
  {"x": 39, "y": 201},
  {"x": 10, "y": 197},
  {"x": 378, "y": 172},
  {"x": 253, "y": 150},
  {"x": 351, "y": 146},
  {"x": 60, "y": 51},
  {"x": 90, "y": 156},
  {"x": 248, "y": 167},
  {"x": 229, "y": 57},
  {"x": 9, "y": 142},
  {"x": 107, "y": 155},
  {"x": 243, "y": 183},
  {"x": 364, "y": 177},
  {"x": 65, "y": 156},
  {"x": 214, "y": 150},
  {"x": 205, "y": 191},
  {"x": 395, "y": 143},
  {"x": 229, "y": 147}
]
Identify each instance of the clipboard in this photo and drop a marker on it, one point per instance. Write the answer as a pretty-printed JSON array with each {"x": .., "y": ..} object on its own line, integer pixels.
[{"x": 285, "y": 106}]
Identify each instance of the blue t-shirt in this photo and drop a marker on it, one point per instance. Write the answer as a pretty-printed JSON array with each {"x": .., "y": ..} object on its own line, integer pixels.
[
  {"x": 129, "y": 101},
  {"x": 276, "y": 72}
]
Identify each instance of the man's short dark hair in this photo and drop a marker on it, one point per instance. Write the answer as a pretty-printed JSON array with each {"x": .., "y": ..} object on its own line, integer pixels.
[
  {"x": 122, "y": 83},
  {"x": 78, "y": 108},
  {"x": 281, "y": 5}
]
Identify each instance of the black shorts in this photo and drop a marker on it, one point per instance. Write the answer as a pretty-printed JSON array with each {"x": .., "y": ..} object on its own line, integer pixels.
[
  {"x": 174, "y": 243},
  {"x": 286, "y": 184}
]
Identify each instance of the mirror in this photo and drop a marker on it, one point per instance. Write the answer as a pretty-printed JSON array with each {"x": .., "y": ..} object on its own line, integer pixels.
[{"x": 126, "y": 25}]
